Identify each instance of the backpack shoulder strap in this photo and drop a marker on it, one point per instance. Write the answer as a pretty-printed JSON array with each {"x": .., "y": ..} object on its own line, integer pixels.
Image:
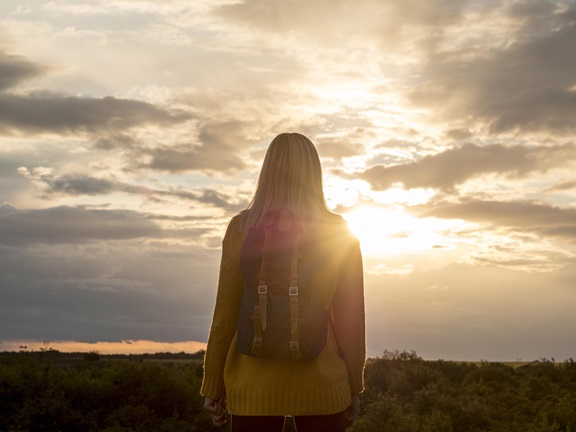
[
  {"x": 293, "y": 293},
  {"x": 260, "y": 316}
]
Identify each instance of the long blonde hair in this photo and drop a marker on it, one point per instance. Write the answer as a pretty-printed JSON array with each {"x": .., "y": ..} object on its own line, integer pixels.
[{"x": 290, "y": 181}]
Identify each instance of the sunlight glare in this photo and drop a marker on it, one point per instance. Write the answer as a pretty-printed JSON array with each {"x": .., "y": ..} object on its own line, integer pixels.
[
  {"x": 345, "y": 94},
  {"x": 391, "y": 231}
]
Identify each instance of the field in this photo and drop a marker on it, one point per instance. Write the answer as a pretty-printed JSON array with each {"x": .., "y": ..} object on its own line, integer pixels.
[{"x": 52, "y": 391}]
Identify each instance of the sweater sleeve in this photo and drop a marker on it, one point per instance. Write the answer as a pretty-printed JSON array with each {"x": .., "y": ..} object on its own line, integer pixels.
[
  {"x": 349, "y": 315},
  {"x": 225, "y": 317}
]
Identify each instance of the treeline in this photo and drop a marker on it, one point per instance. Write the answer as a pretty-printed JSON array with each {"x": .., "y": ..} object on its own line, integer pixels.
[
  {"x": 42, "y": 393},
  {"x": 50, "y": 353},
  {"x": 404, "y": 393}
]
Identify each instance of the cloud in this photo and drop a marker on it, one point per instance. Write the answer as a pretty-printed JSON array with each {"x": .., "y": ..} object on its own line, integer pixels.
[
  {"x": 125, "y": 199},
  {"x": 562, "y": 186},
  {"x": 221, "y": 200},
  {"x": 521, "y": 213},
  {"x": 191, "y": 157},
  {"x": 117, "y": 8},
  {"x": 102, "y": 275},
  {"x": 15, "y": 69},
  {"x": 473, "y": 312},
  {"x": 65, "y": 224},
  {"x": 41, "y": 111},
  {"x": 447, "y": 169},
  {"x": 526, "y": 84},
  {"x": 337, "y": 150},
  {"x": 115, "y": 141},
  {"x": 76, "y": 184},
  {"x": 539, "y": 218},
  {"x": 80, "y": 184},
  {"x": 339, "y": 147},
  {"x": 107, "y": 291},
  {"x": 478, "y": 66},
  {"x": 219, "y": 143},
  {"x": 47, "y": 112},
  {"x": 500, "y": 66},
  {"x": 340, "y": 18}
]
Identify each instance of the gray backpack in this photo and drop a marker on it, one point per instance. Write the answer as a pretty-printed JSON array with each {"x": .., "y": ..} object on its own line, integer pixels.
[{"x": 279, "y": 316}]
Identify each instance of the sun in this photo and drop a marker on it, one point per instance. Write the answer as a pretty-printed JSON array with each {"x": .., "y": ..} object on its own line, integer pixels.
[
  {"x": 385, "y": 231},
  {"x": 375, "y": 227}
]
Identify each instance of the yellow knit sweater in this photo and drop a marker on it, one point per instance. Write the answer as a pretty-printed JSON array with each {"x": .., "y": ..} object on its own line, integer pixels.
[{"x": 261, "y": 387}]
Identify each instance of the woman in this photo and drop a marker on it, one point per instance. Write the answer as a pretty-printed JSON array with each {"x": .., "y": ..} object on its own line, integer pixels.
[{"x": 322, "y": 392}]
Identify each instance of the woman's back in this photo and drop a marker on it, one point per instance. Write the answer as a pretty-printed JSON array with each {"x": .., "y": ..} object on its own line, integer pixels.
[{"x": 287, "y": 233}]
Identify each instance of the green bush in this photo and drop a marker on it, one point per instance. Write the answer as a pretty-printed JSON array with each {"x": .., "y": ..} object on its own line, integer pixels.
[
  {"x": 113, "y": 396},
  {"x": 404, "y": 393}
]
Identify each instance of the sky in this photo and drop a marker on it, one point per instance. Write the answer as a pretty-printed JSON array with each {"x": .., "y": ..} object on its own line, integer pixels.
[{"x": 131, "y": 131}]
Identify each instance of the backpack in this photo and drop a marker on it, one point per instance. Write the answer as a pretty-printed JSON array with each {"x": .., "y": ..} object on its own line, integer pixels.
[{"x": 280, "y": 317}]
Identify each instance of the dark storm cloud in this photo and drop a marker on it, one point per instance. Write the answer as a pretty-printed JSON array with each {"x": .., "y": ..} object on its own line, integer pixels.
[
  {"x": 48, "y": 112},
  {"x": 526, "y": 85},
  {"x": 447, "y": 169},
  {"x": 14, "y": 69},
  {"x": 525, "y": 216},
  {"x": 72, "y": 225}
]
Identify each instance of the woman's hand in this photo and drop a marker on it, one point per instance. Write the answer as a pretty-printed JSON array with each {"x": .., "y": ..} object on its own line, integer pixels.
[
  {"x": 217, "y": 410},
  {"x": 353, "y": 411}
]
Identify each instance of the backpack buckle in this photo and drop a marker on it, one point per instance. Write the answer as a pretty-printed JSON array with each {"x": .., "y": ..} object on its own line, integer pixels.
[
  {"x": 293, "y": 291},
  {"x": 294, "y": 346},
  {"x": 257, "y": 341},
  {"x": 262, "y": 289}
]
